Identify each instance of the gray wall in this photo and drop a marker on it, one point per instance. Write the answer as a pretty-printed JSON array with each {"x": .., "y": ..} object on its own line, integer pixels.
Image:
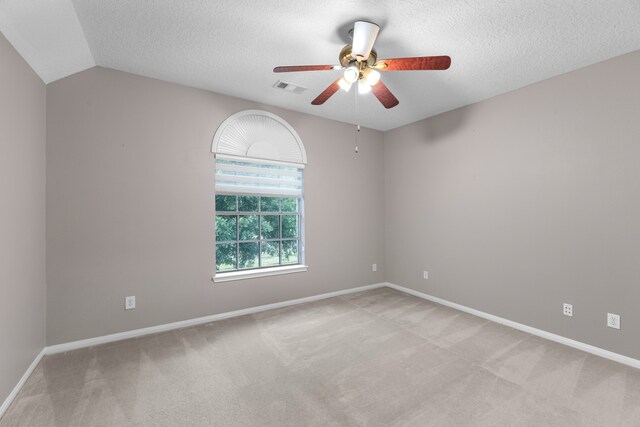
[
  {"x": 130, "y": 202},
  {"x": 514, "y": 205},
  {"x": 525, "y": 201},
  {"x": 22, "y": 216}
]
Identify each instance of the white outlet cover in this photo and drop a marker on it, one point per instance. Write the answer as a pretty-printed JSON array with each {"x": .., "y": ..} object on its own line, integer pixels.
[
  {"x": 425, "y": 275},
  {"x": 129, "y": 303},
  {"x": 374, "y": 267},
  {"x": 613, "y": 320},
  {"x": 567, "y": 309}
]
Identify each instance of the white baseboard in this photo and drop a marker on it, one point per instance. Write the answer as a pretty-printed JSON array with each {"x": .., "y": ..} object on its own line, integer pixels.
[
  {"x": 7, "y": 402},
  {"x": 74, "y": 345},
  {"x": 534, "y": 331}
]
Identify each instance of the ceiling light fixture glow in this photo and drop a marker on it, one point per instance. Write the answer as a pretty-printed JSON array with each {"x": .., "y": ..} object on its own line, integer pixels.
[
  {"x": 363, "y": 87},
  {"x": 344, "y": 85},
  {"x": 351, "y": 74},
  {"x": 372, "y": 76}
]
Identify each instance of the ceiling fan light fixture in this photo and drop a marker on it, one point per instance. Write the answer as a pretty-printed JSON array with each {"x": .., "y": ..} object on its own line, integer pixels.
[
  {"x": 363, "y": 87},
  {"x": 344, "y": 85},
  {"x": 371, "y": 76},
  {"x": 359, "y": 63},
  {"x": 364, "y": 35},
  {"x": 351, "y": 74}
]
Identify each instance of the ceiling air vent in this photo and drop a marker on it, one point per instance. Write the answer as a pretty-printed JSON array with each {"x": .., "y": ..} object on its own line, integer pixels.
[{"x": 289, "y": 87}]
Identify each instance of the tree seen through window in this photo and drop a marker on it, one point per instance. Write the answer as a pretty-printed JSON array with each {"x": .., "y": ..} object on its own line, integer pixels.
[{"x": 256, "y": 231}]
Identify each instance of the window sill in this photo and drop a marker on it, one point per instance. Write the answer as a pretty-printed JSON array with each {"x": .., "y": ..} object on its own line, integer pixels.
[{"x": 250, "y": 274}]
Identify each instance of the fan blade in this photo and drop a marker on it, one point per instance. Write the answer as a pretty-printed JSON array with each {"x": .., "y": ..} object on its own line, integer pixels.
[
  {"x": 364, "y": 36},
  {"x": 327, "y": 93},
  {"x": 384, "y": 95},
  {"x": 292, "y": 68},
  {"x": 417, "y": 63}
]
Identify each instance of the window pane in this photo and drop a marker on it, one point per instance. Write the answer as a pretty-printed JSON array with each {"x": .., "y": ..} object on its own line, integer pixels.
[
  {"x": 226, "y": 228},
  {"x": 225, "y": 256},
  {"x": 270, "y": 204},
  {"x": 249, "y": 227},
  {"x": 290, "y": 252},
  {"x": 270, "y": 253},
  {"x": 225, "y": 203},
  {"x": 271, "y": 226},
  {"x": 289, "y": 204},
  {"x": 248, "y": 203},
  {"x": 248, "y": 255},
  {"x": 289, "y": 226}
]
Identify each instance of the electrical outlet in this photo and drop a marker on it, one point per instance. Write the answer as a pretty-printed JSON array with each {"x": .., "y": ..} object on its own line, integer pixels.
[
  {"x": 425, "y": 275},
  {"x": 374, "y": 267},
  {"x": 567, "y": 309},
  {"x": 129, "y": 303},
  {"x": 613, "y": 320}
]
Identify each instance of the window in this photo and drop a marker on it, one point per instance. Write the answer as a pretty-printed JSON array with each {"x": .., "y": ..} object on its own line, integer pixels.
[
  {"x": 259, "y": 216},
  {"x": 259, "y": 203},
  {"x": 257, "y": 231}
]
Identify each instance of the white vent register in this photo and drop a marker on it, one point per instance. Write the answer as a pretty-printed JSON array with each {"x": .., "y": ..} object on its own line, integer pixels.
[{"x": 289, "y": 87}]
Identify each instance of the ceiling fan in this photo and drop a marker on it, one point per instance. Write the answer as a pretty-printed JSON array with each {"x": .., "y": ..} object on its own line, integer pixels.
[{"x": 361, "y": 65}]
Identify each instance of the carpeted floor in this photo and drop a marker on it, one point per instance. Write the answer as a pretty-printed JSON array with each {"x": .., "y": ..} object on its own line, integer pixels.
[{"x": 376, "y": 358}]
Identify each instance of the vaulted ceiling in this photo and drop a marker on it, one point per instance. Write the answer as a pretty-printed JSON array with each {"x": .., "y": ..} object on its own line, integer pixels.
[{"x": 231, "y": 46}]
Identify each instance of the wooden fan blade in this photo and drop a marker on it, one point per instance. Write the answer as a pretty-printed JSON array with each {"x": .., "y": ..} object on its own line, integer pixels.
[
  {"x": 416, "y": 63},
  {"x": 292, "y": 68},
  {"x": 384, "y": 95},
  {"x": 327, "y": 93}
]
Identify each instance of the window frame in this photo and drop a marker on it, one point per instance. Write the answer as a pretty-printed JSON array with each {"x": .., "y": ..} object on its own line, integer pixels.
[
  {"x": 258, "y": 136},
  {"x": 260, "y": 271}
]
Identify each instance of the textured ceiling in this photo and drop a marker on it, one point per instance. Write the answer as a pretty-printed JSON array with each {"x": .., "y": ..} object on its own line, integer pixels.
[{"x": 231, "y": 46}]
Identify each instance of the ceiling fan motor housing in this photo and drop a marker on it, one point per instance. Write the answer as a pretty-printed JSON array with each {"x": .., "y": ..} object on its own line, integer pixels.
[{"x": 347, "y": 59}]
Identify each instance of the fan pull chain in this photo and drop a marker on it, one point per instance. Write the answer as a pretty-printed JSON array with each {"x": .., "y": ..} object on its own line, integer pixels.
[{"x": 357, "y": 123}]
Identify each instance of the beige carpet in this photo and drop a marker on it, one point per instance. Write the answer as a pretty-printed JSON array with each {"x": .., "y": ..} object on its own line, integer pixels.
[{"x": 375, "y": 358}]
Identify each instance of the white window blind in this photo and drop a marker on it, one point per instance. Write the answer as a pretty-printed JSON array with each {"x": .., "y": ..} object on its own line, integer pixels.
[{"x": 252, "y": 176}]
